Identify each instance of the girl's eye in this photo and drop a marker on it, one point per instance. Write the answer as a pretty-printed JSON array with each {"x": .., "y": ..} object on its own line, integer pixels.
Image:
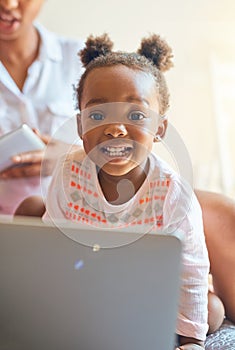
[
  {"x": 97, "y": 116},
  {"x": 136, "y": 116}
]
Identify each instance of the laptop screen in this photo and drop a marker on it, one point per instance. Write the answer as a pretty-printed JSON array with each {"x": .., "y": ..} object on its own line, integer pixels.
[{"x": 57, "y": 293}]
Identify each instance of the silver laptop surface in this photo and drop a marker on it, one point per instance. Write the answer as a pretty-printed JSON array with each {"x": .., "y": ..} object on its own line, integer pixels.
[{"x": 58, "y": 294}]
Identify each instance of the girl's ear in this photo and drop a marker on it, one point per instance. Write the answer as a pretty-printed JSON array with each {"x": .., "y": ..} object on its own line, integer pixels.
[
  {"x": 79, "y": 125},
  {"x": 161, "y": 130}
]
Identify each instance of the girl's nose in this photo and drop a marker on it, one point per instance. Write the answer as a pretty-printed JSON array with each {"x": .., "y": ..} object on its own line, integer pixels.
[
  {"x": 115, "y": 130},
  {"x": 9, "y": 4}
]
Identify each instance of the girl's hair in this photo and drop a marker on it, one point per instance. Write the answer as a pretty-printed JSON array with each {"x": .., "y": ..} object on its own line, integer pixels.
[{"x": 153, "y": 57}]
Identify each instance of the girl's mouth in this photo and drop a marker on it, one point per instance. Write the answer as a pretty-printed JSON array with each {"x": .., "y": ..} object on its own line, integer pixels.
[{"x": 116, "y": 151}]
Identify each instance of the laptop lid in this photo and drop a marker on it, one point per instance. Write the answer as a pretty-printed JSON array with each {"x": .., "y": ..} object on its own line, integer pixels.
[{"x": 57, "y": 293}]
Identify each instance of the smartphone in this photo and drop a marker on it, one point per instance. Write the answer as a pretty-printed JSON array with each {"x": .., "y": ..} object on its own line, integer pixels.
[{"x": 20, "y": 140}]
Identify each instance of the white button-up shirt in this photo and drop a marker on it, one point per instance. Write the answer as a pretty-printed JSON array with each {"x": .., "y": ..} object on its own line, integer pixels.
[{"x": 45, "y": 103}]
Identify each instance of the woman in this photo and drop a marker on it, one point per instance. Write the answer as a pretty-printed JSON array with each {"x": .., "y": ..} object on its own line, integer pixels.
[{"x": 37, "y": 72}]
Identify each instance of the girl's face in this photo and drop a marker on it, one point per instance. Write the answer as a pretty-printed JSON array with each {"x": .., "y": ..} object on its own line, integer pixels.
[
  {"x": 117, "y": 136},
  {"x": 17, "y": 16}
]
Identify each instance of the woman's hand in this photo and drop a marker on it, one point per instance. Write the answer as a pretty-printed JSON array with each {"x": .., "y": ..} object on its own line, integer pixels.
[
  {"x": 23, "y": 168},
  {"x": 39, "y": 162},
  {"x": 26, "y": 164}
]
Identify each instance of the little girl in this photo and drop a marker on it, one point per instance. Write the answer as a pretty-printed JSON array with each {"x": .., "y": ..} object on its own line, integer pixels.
[{"x": 118, "y": 182}]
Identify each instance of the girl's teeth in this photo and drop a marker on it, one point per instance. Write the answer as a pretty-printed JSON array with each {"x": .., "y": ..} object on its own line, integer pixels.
[{"x": 116, "y": 151}]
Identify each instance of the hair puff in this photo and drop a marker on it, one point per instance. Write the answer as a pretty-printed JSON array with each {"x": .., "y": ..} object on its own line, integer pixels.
[
  {"x": 158, "y": 51},
  {"x": 95, "y": 47}
]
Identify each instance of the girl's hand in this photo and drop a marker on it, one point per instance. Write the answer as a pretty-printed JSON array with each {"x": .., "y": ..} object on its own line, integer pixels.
[{"x": 190, "y": 346}]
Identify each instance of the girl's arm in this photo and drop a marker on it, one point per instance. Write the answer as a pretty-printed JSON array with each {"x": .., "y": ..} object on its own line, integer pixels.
[{"x": 183, "y": 215}]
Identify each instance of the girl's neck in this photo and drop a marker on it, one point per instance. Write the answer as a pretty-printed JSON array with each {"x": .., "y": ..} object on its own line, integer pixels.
[{"x": 120, "y": 189}]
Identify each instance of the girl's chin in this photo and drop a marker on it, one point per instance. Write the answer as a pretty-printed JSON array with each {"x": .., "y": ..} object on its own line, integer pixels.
[
  {"x": 114, "y": 159},
  {"x": 114, "y": 163}
]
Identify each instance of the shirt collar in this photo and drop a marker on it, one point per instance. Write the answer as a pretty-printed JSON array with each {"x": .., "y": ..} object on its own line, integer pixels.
[{"x": 50, "y": 47}]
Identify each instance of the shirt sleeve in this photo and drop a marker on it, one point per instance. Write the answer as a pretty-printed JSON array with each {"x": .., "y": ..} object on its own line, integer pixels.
[
  {"x": 56, "y": 200},
  {"x": 183, "y": 214}
]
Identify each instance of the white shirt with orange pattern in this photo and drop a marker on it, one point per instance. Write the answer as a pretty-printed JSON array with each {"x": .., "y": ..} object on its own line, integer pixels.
[{"x": 164, "y": 203}]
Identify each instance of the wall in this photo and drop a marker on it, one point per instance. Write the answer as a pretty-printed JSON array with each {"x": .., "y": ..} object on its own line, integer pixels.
[{"x": 196, "y": 30}]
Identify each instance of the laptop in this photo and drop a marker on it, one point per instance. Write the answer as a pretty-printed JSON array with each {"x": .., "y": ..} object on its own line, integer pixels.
[{"x": 59, "y": 293}]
